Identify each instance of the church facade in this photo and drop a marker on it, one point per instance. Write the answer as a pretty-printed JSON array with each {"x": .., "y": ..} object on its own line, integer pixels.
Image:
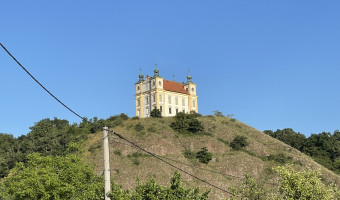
[{"x": 170, "y": 97}]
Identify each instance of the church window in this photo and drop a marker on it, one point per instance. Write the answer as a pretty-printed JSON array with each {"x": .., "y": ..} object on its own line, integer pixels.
[
  {"x": 138, "y": 88},
  {"x": 186, "y": 89},
  {"x": 192, "y": 89},
  {"x": 159, "y": 82},
  {"x": 138, "y": 102},
  {"x": 176, "y": 111},
  {"x": 193, "y": 103},
  {"x": 146, "y": 100},
  {"x": 160, "y": 98},
  {"x": 176, "y": 100},
  {"x": 154, "y": 97},
  {"x": 169, "y": 99},
  {"x": 161, "y": 108},
  {"x": 169, "y": 110}
]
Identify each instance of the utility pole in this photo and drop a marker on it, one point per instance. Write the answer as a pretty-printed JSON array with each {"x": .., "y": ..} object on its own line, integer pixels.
[{"x": 107, "y": 176}]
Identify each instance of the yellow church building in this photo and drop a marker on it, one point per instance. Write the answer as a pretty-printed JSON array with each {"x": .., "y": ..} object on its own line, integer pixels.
[{"x": 170, "y": 97}]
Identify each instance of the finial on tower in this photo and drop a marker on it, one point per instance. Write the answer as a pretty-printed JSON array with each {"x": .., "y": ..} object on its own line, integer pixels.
[
  {"x": 189, "y": 78},
  {"x": 141, "y": 76},
  {"x": 156, "y": 71}
]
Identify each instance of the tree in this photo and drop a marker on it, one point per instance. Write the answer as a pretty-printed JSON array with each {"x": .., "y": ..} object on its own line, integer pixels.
[
  {"x": 156, "y": 113},
  {"x": 218, "y": 113},
  {"x": 249, "y": 190},
  {"x": 288, "y": 136},
  {"x": 187, "y": 123},
  {"x": 239, "y": 142},
  {"x": 152, "y": 190},
  {"x": 204, "y": 156},
  {"x": 304, "y": 185},
  {"x": 52, "y": 177},
  {"x": 293, "y": 185}
]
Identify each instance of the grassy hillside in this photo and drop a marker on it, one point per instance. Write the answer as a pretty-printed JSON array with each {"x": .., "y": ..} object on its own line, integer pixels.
[{"x": 225, "y": 169}]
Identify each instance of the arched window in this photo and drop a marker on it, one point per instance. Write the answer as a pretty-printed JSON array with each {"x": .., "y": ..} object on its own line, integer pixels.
[{"x": 192, "y": 89}]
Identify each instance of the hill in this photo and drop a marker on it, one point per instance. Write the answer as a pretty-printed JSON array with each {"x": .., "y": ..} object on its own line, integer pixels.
[{"x": 226, "y": 168}]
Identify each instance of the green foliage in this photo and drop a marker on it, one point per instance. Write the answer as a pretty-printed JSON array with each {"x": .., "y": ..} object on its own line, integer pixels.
[
  {"x": 204, "y": 156},
  {"x": 280, "y": 158},
  {"x": 8, "y": 153},
  {"x": 156, "y": 113},
  {"x": 225, "y": 142},
  {"x": 324, "y": 147},
  {"x": 117, "y": 152},
  {"x": 188, "y": 154},
  {"x": 139, "y": 127},
  {"x": 218, "y": 113},
  {"x": 187, "y": 124},
  {"x": 249, "y": 190},
  {"x": 239, "y": 142},
  {"x": 293, "y": 185},
  {"x": 50, "y": 137},
  {"x": 95, "y": 146},
  {"x": 304, "y": 185},
  {"x": 52, "y": 177},
  {"x": 135, "y": 118},
  {"x": 152, "y": 190},
  {"x": 289, "y": 137}
]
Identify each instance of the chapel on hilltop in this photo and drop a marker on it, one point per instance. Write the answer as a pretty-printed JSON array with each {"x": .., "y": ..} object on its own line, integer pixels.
[{"x": 170, "y": 97}]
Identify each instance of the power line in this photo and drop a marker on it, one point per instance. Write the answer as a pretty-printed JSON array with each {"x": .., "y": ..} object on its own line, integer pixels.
[
  {"x": 161, "y": 159},
  {"x": 41, "y": 84},
  {"x": 120, "y": 136},
  {"x": 201, "y": 168}
]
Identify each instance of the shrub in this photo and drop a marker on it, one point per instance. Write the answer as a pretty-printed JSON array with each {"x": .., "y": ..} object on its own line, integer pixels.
[
  {"x": 204, "y": 156},
  {"x": 187, "y": 123},
  {"x": 280, "y": 158},
  {"x": 156, "y": 113},
  {"x": 218, "y": 113},
  {"x": 139, "y": 127},
  {"x": 225, "y": 142},
  {"x": 117, "y": 152},
  {"x": 188, "y": 154},
  {"x": 239, "y": 142},
  {"x": 151, "y": 129}
]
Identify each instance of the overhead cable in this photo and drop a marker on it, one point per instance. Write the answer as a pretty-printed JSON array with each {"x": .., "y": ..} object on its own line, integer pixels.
[{"x": 120, "y": 136}]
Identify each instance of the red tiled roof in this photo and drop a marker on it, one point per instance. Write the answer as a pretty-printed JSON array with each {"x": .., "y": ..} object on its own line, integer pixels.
[{"x": 174, "y": 86}]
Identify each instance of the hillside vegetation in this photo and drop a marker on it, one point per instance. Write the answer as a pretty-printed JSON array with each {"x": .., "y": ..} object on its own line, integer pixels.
[
  {"x": 59, "y": 160},
  {"x": 174, "y": 142},
  {"x": 324, "y": 147}
]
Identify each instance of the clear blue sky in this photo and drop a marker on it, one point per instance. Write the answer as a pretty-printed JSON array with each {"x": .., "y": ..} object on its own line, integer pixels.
[{"x": 273, "y": 64}]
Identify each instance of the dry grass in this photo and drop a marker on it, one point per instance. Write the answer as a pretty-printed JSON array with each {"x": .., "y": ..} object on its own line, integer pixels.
[{"x": 159, "y": 138}]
